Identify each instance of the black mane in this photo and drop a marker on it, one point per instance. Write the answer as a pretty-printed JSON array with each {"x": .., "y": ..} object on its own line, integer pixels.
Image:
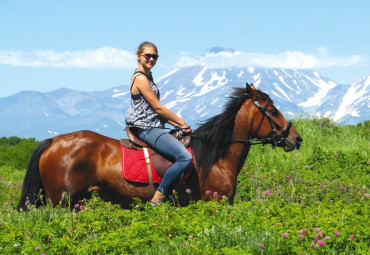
[{"x": 213, "y": 137}]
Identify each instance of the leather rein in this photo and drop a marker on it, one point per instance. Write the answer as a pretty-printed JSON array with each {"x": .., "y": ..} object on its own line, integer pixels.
[{"x": 277, "y": 139}]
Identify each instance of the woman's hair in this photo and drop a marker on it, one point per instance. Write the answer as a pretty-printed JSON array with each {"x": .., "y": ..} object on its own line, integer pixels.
[{"x": 143, "y": 45}]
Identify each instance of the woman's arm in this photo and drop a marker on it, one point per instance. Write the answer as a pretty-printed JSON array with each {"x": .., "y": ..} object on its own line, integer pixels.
[{"x": 143, "y": 87}]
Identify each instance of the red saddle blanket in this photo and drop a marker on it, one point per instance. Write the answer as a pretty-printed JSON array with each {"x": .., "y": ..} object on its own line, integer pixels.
[{"x": 134, "y": 167}]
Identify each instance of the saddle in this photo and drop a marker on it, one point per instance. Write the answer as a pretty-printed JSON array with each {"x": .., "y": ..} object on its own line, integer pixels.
[
  {"x": 134, "y": 142},
  {"x": 135, "y": 151}
]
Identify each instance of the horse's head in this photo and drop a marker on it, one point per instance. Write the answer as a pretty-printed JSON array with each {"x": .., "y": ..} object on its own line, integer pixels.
[{"x": 269, "y": 125}]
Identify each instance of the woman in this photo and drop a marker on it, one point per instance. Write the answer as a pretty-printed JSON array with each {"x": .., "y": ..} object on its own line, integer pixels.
[{"x": 146, "y": 118}]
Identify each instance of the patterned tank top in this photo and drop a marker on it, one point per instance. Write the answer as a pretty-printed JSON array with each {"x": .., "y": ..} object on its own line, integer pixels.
[{"x": 141, "y": 114}]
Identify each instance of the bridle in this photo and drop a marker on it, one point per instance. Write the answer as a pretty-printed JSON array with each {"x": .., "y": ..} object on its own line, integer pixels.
[{"x": 277, "y": 139}]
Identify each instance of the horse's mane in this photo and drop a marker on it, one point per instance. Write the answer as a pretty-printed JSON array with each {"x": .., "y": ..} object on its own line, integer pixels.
[{"x": 213, "y": 137}]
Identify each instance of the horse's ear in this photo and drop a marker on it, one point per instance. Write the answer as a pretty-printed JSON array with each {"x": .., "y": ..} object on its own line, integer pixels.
[{"x": 251, "y": 89}]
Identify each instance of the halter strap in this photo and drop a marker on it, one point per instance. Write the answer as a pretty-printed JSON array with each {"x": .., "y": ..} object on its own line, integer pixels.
[{"x": 276, "y": 139}]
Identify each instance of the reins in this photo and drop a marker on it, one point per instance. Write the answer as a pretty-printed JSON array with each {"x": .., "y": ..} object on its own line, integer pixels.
[{"x": 275, "y": 140}]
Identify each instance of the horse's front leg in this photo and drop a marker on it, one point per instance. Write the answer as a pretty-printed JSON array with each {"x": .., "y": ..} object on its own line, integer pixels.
[{"x": 220, "y": 183}]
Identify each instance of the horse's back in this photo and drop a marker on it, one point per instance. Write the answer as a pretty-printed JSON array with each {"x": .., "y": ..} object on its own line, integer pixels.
[{"x": 84, "y": 135}]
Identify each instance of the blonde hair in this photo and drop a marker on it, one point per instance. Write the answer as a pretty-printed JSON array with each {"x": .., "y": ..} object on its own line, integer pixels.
[{"x": 143, "y": 45}]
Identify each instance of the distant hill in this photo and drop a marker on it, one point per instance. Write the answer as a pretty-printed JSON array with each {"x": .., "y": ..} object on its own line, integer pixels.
[{"x": 196, "y": 93}]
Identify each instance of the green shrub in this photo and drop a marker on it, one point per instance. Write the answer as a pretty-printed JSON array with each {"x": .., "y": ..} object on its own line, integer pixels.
[{"x": 15, "y": 151}]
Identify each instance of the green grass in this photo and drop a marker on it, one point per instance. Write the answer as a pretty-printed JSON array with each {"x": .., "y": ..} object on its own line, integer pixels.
[{"x": 311, "y": 201}]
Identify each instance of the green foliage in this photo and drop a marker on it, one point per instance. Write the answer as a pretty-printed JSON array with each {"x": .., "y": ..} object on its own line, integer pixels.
[
  {"x": 15, "y": 151},
  {"x": 311, "y": 201}
]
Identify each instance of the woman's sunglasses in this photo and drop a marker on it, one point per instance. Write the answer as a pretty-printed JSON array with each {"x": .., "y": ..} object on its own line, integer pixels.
[{"x": 149, "y": 56}]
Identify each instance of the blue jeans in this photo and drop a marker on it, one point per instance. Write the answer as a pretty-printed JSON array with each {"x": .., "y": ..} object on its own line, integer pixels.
[{"x": 170, "y": 148}]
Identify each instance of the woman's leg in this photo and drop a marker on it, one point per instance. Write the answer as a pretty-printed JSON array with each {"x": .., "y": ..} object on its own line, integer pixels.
[{"x": 169, "y": 147}]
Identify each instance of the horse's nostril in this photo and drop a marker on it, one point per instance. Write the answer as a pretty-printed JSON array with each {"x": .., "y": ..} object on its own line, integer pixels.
[{"x": 298, "y": 139}]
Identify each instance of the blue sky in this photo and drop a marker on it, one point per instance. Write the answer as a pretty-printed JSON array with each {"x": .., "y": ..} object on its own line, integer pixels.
[{"x": 90, "y": 45}]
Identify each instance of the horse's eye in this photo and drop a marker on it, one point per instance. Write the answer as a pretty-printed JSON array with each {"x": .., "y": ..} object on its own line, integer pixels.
[{"x": 274, "y": 112}]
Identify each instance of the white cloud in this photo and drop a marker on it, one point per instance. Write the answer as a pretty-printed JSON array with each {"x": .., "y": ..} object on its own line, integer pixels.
[
  {"x": 287, "y": 59},
  {"x": 102, "y": 58},
  {"x": 112, "y": 58}
]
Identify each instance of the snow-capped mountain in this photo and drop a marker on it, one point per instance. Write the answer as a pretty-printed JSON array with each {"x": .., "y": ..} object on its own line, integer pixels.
[
  {"x": 348, "y": 103},
  {"x": 196, "y": 93}
]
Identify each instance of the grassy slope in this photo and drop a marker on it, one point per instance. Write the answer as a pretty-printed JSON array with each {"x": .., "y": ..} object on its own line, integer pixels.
[{"x": 284, "y": 201}]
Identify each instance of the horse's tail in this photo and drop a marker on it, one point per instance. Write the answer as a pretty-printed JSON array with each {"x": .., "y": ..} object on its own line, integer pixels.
[{"x": 33, "y": 191}]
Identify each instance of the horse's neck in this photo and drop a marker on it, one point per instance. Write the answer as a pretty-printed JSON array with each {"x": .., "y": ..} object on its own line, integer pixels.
[
  {"x": 236, "y": 156},
  {"x": 238, "y": 152}
]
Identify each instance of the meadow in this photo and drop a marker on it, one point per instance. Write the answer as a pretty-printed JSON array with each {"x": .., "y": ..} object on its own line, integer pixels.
[{"x": 311, "y": 201}]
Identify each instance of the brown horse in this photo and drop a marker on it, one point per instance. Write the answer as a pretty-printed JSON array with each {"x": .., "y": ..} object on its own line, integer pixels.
[{"x": 81, "y": 162}]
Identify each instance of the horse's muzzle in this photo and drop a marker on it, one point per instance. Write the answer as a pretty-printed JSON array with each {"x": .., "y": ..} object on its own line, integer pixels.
[{"x": 292, "y": 144}]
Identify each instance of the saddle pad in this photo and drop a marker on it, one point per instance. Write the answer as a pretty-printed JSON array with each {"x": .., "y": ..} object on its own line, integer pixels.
[{"x": 134, "y": 167}]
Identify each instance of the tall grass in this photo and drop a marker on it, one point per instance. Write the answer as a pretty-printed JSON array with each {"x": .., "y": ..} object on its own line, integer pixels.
[{"x": 311, "y": 201}]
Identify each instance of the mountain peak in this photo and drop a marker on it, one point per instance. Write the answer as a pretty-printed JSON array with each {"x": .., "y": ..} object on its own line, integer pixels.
[{"x": 216, "y": 50}]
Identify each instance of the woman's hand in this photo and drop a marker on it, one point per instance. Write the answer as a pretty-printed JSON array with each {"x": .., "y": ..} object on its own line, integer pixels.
[{"x": 186, "y": 128}]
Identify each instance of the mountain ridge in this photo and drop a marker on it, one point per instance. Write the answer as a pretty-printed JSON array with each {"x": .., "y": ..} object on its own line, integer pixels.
[{"x": 196, "y": 93}]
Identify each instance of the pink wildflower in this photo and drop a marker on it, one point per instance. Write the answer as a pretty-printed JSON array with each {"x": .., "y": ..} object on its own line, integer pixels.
[
  {"x": 215, "y": 194},
  {"x": 317, "y": 229},
  {"x": 261, "y": 246},
  {"x": 300, "y": 231},
  {"x": 321, "y": 243},
  {"x": 327, "y": 237},
  {"x": 267, "y": 192},
  {"x": 82, "y": 207},
  {"x": 182, "y": 244},
  {"x": 314, "y": 246},
  {"x": 77, "y": 205},
  {"x": 319, "y": 234},
  {"x": 38, "y": 248},
  {"x": 315, "y": 239},
  {"x": 191, "y": 237},
  {"x": 300, "y": 237},
  {"x": 188, "y": 191},
  {"x": 336, "y": 233},
  {"x": 352, "y": 237},
  {"x": 223, "y": 196},
  {"x": 366, "y": 194},
  {"x": 208, "y": 192},
  {"x": 284, "y": 235}
]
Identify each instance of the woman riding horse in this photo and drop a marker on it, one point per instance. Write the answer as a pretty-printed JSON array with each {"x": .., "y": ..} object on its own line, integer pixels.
[
  {"x": 81, "y": 162},
  {"x": 146, "y": 118}
]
